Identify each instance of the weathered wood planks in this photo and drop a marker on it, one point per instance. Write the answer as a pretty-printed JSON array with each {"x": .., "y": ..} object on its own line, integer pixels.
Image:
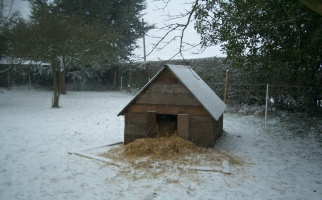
[
  {"x": 167, "y": 95},
  {"x": 169, "y": 109},
  {"x": 183, "y": 126}
]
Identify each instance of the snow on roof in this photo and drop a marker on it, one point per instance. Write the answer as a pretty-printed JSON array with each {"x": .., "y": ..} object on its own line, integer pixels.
[{"x": 203, "y": 93}]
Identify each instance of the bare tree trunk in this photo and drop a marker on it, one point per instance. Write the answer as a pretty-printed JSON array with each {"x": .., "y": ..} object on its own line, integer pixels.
[
  {"x": 55, "y": 72},
  {"x": 55, "y": 100},
  {"x": 62, "y": 82}
]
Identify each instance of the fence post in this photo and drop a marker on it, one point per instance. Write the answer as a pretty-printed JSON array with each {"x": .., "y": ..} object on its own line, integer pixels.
[
  {"x": 121, "y": 83},
  {"x": 226, "y": 87},
  {"x": 114, "y": 83},
  {"x": 266, "y": 102}
]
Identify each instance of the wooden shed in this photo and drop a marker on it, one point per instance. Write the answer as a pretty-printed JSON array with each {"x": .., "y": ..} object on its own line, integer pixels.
[{"x": 176, "y": 93}]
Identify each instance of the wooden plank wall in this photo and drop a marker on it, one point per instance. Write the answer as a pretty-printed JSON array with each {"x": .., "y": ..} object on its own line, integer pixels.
[
  {"x": 169, "y": 109},
  {"x": 167, "y": 95},
  {"x": 183, "y": 126},
  {"x": 201, "y": 132},
  {"x": 204, "y": 131},
  {"x": 218, "y": 127},
  {"x": 167, "y": 90},
  {"x": 139, "y": 125}
]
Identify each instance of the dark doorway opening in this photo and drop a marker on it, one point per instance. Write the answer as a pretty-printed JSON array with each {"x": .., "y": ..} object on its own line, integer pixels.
[{"x": 166, "y": 125}]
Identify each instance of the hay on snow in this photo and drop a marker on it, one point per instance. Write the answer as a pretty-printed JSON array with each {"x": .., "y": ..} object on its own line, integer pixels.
[{"x": 166, "y": 148}]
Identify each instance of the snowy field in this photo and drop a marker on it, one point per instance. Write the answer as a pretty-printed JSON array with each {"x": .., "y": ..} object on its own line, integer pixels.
[{"x": 282, "y": 159}]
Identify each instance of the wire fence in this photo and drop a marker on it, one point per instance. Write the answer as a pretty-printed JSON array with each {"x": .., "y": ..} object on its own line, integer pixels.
[
  {"x": 255, "y": 98},
  {"x": 247, "y": 96},
  {"x": 245, "y": 92}
]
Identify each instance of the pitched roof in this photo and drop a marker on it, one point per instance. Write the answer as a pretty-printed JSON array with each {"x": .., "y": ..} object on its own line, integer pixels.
[{"x": 202, "y": 92}]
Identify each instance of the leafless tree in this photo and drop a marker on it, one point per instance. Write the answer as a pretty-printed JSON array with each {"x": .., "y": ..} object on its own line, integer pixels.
[{"x": 174, "y": 30}]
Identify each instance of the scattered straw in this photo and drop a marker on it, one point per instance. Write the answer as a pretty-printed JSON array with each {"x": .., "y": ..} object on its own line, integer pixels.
[
  {"x": 158, "y": 156},
  {"x": 164, "y": 148},
  {"x": 166, "y": 129}
]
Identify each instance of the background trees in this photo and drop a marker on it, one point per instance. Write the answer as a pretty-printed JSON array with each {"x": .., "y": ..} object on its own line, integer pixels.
[
  {"x": 277, "y": 36},
  {"x": 257, "y": 33},
  {"x": 263, "y": 37},
  {"x": 283, "y": 37},
  {"x": 123, "y": 17},
  {"x": 94, "y": 33}
]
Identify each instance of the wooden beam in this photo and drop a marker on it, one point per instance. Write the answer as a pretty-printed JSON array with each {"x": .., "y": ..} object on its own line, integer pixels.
[
  {"x": 183, "y": 126},
  {"x": 169, "y": 109},
  {"x": 151, "y": 123},
  {"x": 200, "y": 133},
  {"x": 173, "y": 99},
  {"x": 200, "y": 121},
  {"x": 136, "y": 129},
  {"x": 165, "y": 88},
  {"x": 135, "y": 118}
]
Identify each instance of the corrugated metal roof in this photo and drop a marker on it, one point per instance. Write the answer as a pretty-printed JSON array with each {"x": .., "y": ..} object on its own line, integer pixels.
[{"x": 188, "y": 77}]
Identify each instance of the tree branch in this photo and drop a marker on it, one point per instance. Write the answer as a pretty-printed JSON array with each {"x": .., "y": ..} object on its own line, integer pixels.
[{"x": 176, "y": 27}]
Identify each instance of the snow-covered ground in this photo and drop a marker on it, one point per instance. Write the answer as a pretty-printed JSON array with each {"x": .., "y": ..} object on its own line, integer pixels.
[{"x": 282, "y": 159}]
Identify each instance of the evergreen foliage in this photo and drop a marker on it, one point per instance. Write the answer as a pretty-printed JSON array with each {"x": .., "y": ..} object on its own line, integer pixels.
[
  {"x": 265, "y": 36},
  {"x": 68, "y": 33}
]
